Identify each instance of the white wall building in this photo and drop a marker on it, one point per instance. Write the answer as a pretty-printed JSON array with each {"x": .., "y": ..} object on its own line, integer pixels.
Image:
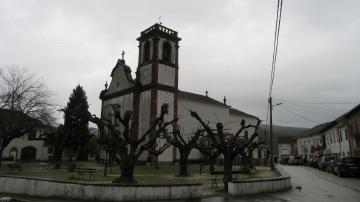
[
  {"x": 311, "y": 142},
  {"x": 337, "y": 140},
  {"x": 23, "y": 149}
]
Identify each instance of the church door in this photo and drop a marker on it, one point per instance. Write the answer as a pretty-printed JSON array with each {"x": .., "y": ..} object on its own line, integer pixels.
[{"x": 28, "y": 154}]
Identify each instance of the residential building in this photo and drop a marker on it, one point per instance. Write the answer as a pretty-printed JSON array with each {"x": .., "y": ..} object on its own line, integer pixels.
[{"x": 311, "y": 142}]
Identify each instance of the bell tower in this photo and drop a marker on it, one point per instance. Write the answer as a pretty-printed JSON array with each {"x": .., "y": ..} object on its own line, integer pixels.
[{"x": 158, "y": 75}]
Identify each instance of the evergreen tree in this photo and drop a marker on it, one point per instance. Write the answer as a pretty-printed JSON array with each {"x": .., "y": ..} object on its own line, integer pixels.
[{"x": 76, "y": 123}]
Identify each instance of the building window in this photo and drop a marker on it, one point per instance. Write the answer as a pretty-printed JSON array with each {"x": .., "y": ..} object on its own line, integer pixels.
[
  {"x": 147, "y": 51},
  {"x": 346, "y": 134},
  {"x": 166, "y": 51}
]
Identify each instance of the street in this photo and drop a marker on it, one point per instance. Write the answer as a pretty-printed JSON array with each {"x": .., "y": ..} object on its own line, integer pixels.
[{"x": 309, "y": 184}]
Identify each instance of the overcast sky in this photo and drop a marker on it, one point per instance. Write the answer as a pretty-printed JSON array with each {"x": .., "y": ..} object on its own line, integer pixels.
[{"x": 226, "y": 48}]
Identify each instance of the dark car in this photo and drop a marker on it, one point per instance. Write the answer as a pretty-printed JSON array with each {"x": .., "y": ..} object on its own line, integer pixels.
[
  {"x": 314, "y": 162},
  {"x": 323, "y": 160},
  {"x": 347, "y": 166},
  {"x": 295, "y": 160},
  {"x": 329, "y": 166},
  {"x": 284, "y": 159}
]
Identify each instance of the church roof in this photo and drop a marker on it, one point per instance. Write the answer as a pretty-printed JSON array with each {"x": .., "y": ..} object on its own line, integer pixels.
[
  {"x": 238, "y": 112},
  {"x": 209, "y": 100},
  {"x": 201, "y": 98}
]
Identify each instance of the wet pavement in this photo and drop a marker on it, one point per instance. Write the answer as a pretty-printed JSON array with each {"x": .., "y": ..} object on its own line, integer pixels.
[{"x": 308, "y": 185}]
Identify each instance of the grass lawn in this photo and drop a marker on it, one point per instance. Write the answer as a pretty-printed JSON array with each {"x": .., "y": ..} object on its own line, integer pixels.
[{"x": 143, "y": 174}]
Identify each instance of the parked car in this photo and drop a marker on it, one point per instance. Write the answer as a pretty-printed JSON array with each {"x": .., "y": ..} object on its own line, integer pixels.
[
  {"x": 323, "y": 160},
  {"x": 295, "y": 160},
  {"x": 329, "y": 166},
  {"x": 347, "y": 166},
  {"x": 314, "y": 162},
  {"x": 284, "y": 158}
]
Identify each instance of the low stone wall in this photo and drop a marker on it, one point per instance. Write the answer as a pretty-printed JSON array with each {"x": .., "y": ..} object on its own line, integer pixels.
[
  {"x": 96, "y": 191},
  {"x": 256, "y": 186}
]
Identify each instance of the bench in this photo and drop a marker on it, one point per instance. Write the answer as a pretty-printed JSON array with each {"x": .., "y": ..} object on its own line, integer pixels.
[
  {"x": 82, "y": 172},
  {"x": 13, "y": 168},
  {"x": 215, "y": 177}
]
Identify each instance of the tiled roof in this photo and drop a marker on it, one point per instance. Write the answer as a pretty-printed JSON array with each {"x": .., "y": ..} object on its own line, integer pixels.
[
  {"x": 238, "y": 112},
  {"x": 349, "y": 113},
  {"x": 201, "y": 98},
  {"x": 318, "y": 129},
  {"x": 209, "y": 100}
]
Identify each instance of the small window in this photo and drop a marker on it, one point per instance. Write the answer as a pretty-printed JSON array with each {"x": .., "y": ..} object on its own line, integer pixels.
[
  {"x": 346, "y": 134},
  {"x": 167, "y": 51}
]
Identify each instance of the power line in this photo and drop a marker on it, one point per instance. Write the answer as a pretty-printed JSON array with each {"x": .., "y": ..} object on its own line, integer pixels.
[
  {"x": 317, "y": 103},
  {"x": 274, "y": 56},
  {"x": 315, "y": 107},
  {"x": 300, "y": 116},
  {"x": 275, "y": 45}
]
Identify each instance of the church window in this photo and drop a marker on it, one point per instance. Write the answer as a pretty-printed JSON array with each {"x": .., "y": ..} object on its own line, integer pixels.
[
  {"x": 147, "y": 51},
  {"x": 167, "y": 51}
]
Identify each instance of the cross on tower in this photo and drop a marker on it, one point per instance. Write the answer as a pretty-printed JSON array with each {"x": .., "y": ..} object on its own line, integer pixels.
[
  {"x": 159, "y": 18},
  {"x": 122, "y": 55}
]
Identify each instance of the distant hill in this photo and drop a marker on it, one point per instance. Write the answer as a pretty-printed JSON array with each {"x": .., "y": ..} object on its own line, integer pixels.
[{"x": 281, "y": 134}]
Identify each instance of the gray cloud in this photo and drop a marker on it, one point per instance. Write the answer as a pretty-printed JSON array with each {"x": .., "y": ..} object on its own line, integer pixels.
[{"x": 226, "y": 49}]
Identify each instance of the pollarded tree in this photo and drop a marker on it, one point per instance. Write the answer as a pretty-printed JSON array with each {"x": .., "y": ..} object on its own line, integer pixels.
[
  {"x": 118, "y": 138},
  {"x": 210, "y": 153},
  {"x": 24, "y": 104},
  {"x": 184, "y": 143},
  {"x": 230, "y": 145},
  {"x": 76, "y": 123}
]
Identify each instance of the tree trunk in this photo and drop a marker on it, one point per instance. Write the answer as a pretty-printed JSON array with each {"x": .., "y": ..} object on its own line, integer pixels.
[
  {"x": 127, "y": 173},
  {"x": 70, "y": 154},
  {"x": 1, "y": 152},
  {"x": 57, "y": 157},
  {"x": 183, "y": 171},
  {"x": 245, "y": 164},
  {"x": 82, "y": 154},
  {"x": 212, "y": 162},
  {"x": 228, "y": 161},
  {"x": 157, "y": 167}
]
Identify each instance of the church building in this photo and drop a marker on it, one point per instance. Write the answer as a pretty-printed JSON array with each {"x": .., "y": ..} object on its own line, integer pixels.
[{"x": 156, "y": 83}]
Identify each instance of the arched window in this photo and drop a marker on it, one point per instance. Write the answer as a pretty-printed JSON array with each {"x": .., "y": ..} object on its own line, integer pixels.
[
  {"x": 166, "y": 51},
  {"x": 147, "y": 51}
]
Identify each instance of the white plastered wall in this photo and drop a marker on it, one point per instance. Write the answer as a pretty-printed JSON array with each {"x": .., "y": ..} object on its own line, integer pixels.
[
  {"x": 166, "y": 75},
  {"x": 119, "y": 81},
  {"x": 165, "y": 97},
  {"x": 145, "y": 74},
  {"x": 208, "y": 112},
  {"x": 22, "y": 142}
]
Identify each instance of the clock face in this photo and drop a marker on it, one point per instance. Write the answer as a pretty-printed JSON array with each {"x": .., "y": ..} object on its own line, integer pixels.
[{"x": 146, "y": 73}]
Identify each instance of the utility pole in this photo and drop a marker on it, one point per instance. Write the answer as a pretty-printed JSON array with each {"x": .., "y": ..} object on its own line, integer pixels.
[
  {"x": 271, "y": 135},
  {"x": 271, "y": 141}
]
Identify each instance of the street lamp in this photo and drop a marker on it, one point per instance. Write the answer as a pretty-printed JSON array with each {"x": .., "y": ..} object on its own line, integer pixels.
[{"x": 271, "y": 132}]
